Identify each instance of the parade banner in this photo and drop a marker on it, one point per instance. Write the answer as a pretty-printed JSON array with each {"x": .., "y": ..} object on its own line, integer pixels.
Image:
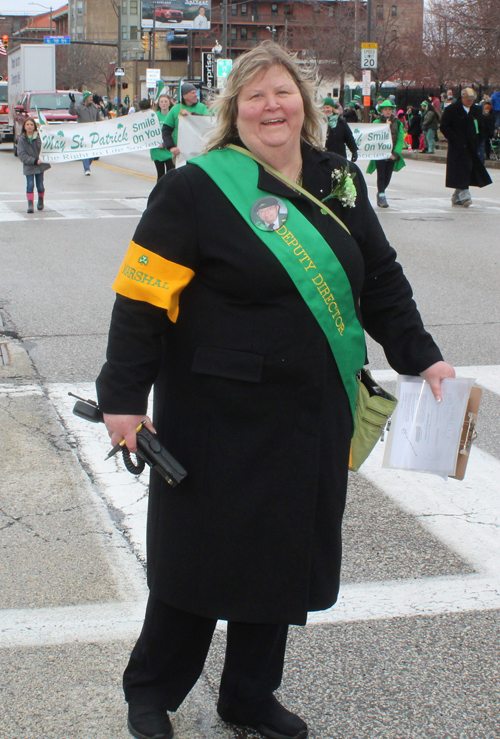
[
  {"x": 193, "y": 133},
  {"x": 73, "y": 141},
  {"x": 372, "y": 139}
]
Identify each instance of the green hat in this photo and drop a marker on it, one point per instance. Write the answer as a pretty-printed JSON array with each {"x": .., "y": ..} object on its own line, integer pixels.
[
  {"x": 351, "y": 104},
  {"x": 425, "y": 104},
  {"x": 329, "y": 101},
  {"x": 356, "y": 97},
  {"x": 86, "y": 95},
  {"x": 386, "y": 104}
]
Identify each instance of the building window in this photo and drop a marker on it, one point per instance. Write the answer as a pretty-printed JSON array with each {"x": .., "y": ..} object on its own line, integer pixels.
[
  {"x": 243, "y": 33},
  {"x": 380, "y": 11},
  {"x": 234, "y": 10},
  {"x": 255, "y": 10},
  {"x": 274, "y": 8},
  {"x": 134, "y": 7},
  {"x": 394, "y": 34},
  {"x": 79, "y": 8},
  {"x": 133, "y": 33},
  {"x": 394, "y": 10},
  {"x": 254, "y": 34},
  {"x": 124, "y": 33},
  {"x": 244, "y": 9},
  {"x": 233, "y": 33},
  {"x": 287, "y": 8},
  {"x": 124, "y": 7}
]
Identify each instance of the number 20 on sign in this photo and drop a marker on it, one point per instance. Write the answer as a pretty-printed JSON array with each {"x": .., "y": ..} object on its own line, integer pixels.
[{"x": 369, "y": 56}]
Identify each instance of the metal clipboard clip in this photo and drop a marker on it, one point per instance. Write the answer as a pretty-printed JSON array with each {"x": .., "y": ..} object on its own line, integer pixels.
[{"x": 469, "y": 433}]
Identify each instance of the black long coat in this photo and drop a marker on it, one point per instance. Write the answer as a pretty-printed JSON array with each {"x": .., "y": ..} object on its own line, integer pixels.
[
  {"x": 339, "y": 137},
  {"x": 463, "y": 165},
  {"x": 249, "y": 399}
]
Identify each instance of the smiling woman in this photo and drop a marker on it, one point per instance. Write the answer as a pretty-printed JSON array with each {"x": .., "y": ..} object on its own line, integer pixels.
[{"x": 252, "y": 343}]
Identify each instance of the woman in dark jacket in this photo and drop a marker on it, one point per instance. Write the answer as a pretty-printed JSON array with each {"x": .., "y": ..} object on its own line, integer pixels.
[
  {"x": 29, "y": 147},
  {"x": 248, "y": 394},
  {"x": 339, "y": 134}
]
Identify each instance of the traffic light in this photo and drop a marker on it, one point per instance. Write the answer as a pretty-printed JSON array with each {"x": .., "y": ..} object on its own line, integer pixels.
[
  {"x": 5, "y": 41},
  {"x": 145, "y": 42}
]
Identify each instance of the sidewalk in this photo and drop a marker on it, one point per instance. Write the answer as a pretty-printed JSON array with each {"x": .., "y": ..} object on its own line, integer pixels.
[
  {"x": 73, "y": 593},
  {"x": 439, "y": 156}
]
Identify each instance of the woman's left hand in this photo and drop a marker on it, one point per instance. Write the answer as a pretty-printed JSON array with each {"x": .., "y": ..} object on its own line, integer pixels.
[{"x": 434, "y": 374}]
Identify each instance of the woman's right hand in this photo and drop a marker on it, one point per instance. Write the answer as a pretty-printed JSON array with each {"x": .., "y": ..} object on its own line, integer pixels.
[
  {"x": 124, "y": 427},
  {"x": 175, "y": 151}
]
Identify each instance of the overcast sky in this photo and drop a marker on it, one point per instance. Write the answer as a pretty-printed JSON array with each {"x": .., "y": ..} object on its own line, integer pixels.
[{"x": 22, "y": 6}]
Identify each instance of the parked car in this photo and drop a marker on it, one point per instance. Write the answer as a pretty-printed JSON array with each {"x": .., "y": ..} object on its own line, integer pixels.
[
  {"x": 53, "y": 104},
  {"x": 5, "y": 129},
  {"x": 166, "y": 14}
]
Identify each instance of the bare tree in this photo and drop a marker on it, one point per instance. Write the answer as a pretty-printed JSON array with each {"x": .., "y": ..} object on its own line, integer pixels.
[
  {"x": 82, "y": 65},
  {"x": 471, "y": 41},
  {"x": 328, "y": 40}
]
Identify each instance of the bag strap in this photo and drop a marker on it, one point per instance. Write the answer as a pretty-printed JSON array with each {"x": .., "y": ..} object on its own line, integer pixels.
[{"x": 294, "y": 185}]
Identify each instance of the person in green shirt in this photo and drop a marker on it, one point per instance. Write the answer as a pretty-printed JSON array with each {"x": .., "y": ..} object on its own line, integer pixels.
[
  {"x": 188, "y": 106},
  {"x": 162, "y": 157},
  {"x": 395, "y": 162}
]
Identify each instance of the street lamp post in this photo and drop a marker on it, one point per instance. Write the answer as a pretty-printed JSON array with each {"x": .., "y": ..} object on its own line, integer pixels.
[{"x": 46, "y": 8}]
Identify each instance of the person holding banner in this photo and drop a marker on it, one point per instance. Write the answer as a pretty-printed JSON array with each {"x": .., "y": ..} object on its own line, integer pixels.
[
  {"x": 86, "y": 112},
  {"x": 161, "y": 156},
  {"x": 252, "y": 338},
  {"x": 395, "y": 161},
  {"x": 189, "y": 105},
  {"x": 338, "y": 134}
]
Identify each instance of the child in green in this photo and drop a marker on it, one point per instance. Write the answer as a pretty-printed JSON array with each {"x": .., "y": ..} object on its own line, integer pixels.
[{"x": 385, "y": 167}]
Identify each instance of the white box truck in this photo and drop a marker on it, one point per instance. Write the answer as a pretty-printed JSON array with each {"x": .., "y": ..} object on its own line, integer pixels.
[{"x": 30, "y": 67}]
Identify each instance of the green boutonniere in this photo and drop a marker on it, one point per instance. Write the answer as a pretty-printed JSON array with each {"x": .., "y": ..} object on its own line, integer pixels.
[{"x": 343, "y": 188}]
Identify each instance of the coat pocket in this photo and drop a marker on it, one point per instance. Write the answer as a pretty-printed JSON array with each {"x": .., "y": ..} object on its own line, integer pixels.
[{"x": 235, "y": 365}]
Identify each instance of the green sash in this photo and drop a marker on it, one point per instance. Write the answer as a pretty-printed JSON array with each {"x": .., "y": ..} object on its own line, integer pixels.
[{"x": 305, "y": 255}]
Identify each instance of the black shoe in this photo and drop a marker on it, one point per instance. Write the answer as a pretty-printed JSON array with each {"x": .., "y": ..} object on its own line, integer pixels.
[
  {"x": 39, "y": 205},
  {"x": 270, "y": 718},
  {"x": 31, "y": 208},
  {"x": 146, "y": 722}
]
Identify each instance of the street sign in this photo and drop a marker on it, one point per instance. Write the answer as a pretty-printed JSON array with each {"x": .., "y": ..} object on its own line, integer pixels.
[
  {"x": 209, "y": 69},
  {"x": 369, "y": 55},
  {"x": 57, "y": 39},
  {"x": 119, "y": 72},
  {"x": 224, "y": 66},
  {"x": 367, "y": 82},
  {"x": 152, "y": 76},
  {"x": 170, "y": 36}
]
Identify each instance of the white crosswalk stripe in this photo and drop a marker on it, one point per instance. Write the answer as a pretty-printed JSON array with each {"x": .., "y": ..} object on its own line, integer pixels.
[
  {"x": 463, "y": 515},
  {"x": 77, "y": 209}
]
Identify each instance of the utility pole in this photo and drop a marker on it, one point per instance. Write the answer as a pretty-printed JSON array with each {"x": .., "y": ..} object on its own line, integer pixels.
[
  {"x": 223, "y": 9},
  {"x": 153, "y": 40},
  {"x": 119, "y": 63},
  {"x": 368, "y": 20}
]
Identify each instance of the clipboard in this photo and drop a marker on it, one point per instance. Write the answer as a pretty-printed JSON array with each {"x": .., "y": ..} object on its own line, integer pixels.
[{"x": 468, "y": 432}]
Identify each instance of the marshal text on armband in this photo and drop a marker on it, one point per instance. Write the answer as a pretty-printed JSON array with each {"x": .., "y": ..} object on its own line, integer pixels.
[
  {"x": 143, "y": 278},
  {"x": 316, "y": 276}
]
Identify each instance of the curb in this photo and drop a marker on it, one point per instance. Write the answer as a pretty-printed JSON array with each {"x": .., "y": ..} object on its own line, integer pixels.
[{"x": 441, "y": 159}]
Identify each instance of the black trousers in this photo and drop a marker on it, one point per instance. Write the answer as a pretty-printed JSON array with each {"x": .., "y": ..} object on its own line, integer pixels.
[
  {"x": 170, "y": 654},
  {"x": 163, "y": 167},
  {"x": 385, "y": 168}
]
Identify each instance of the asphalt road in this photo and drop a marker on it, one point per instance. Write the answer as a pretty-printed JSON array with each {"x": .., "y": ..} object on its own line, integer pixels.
[{"x": 412, "y": 648}]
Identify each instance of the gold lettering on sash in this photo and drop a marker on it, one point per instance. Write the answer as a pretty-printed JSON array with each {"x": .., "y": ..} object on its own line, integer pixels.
[{"x": 318, "y": 281}]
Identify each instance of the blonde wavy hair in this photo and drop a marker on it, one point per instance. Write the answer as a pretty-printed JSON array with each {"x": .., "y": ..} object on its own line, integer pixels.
[{"x": 268, "y": 54}]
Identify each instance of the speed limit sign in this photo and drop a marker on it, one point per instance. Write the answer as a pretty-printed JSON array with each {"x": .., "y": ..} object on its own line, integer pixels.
[{"x": 369, "y": 55}]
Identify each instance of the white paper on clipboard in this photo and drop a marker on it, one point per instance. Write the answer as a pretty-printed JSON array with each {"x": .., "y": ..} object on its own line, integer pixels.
[{"x": 425, "y": 435}]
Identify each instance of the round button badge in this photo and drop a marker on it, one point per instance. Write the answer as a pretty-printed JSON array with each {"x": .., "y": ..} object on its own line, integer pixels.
[{"x": 268, "y": 213}]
